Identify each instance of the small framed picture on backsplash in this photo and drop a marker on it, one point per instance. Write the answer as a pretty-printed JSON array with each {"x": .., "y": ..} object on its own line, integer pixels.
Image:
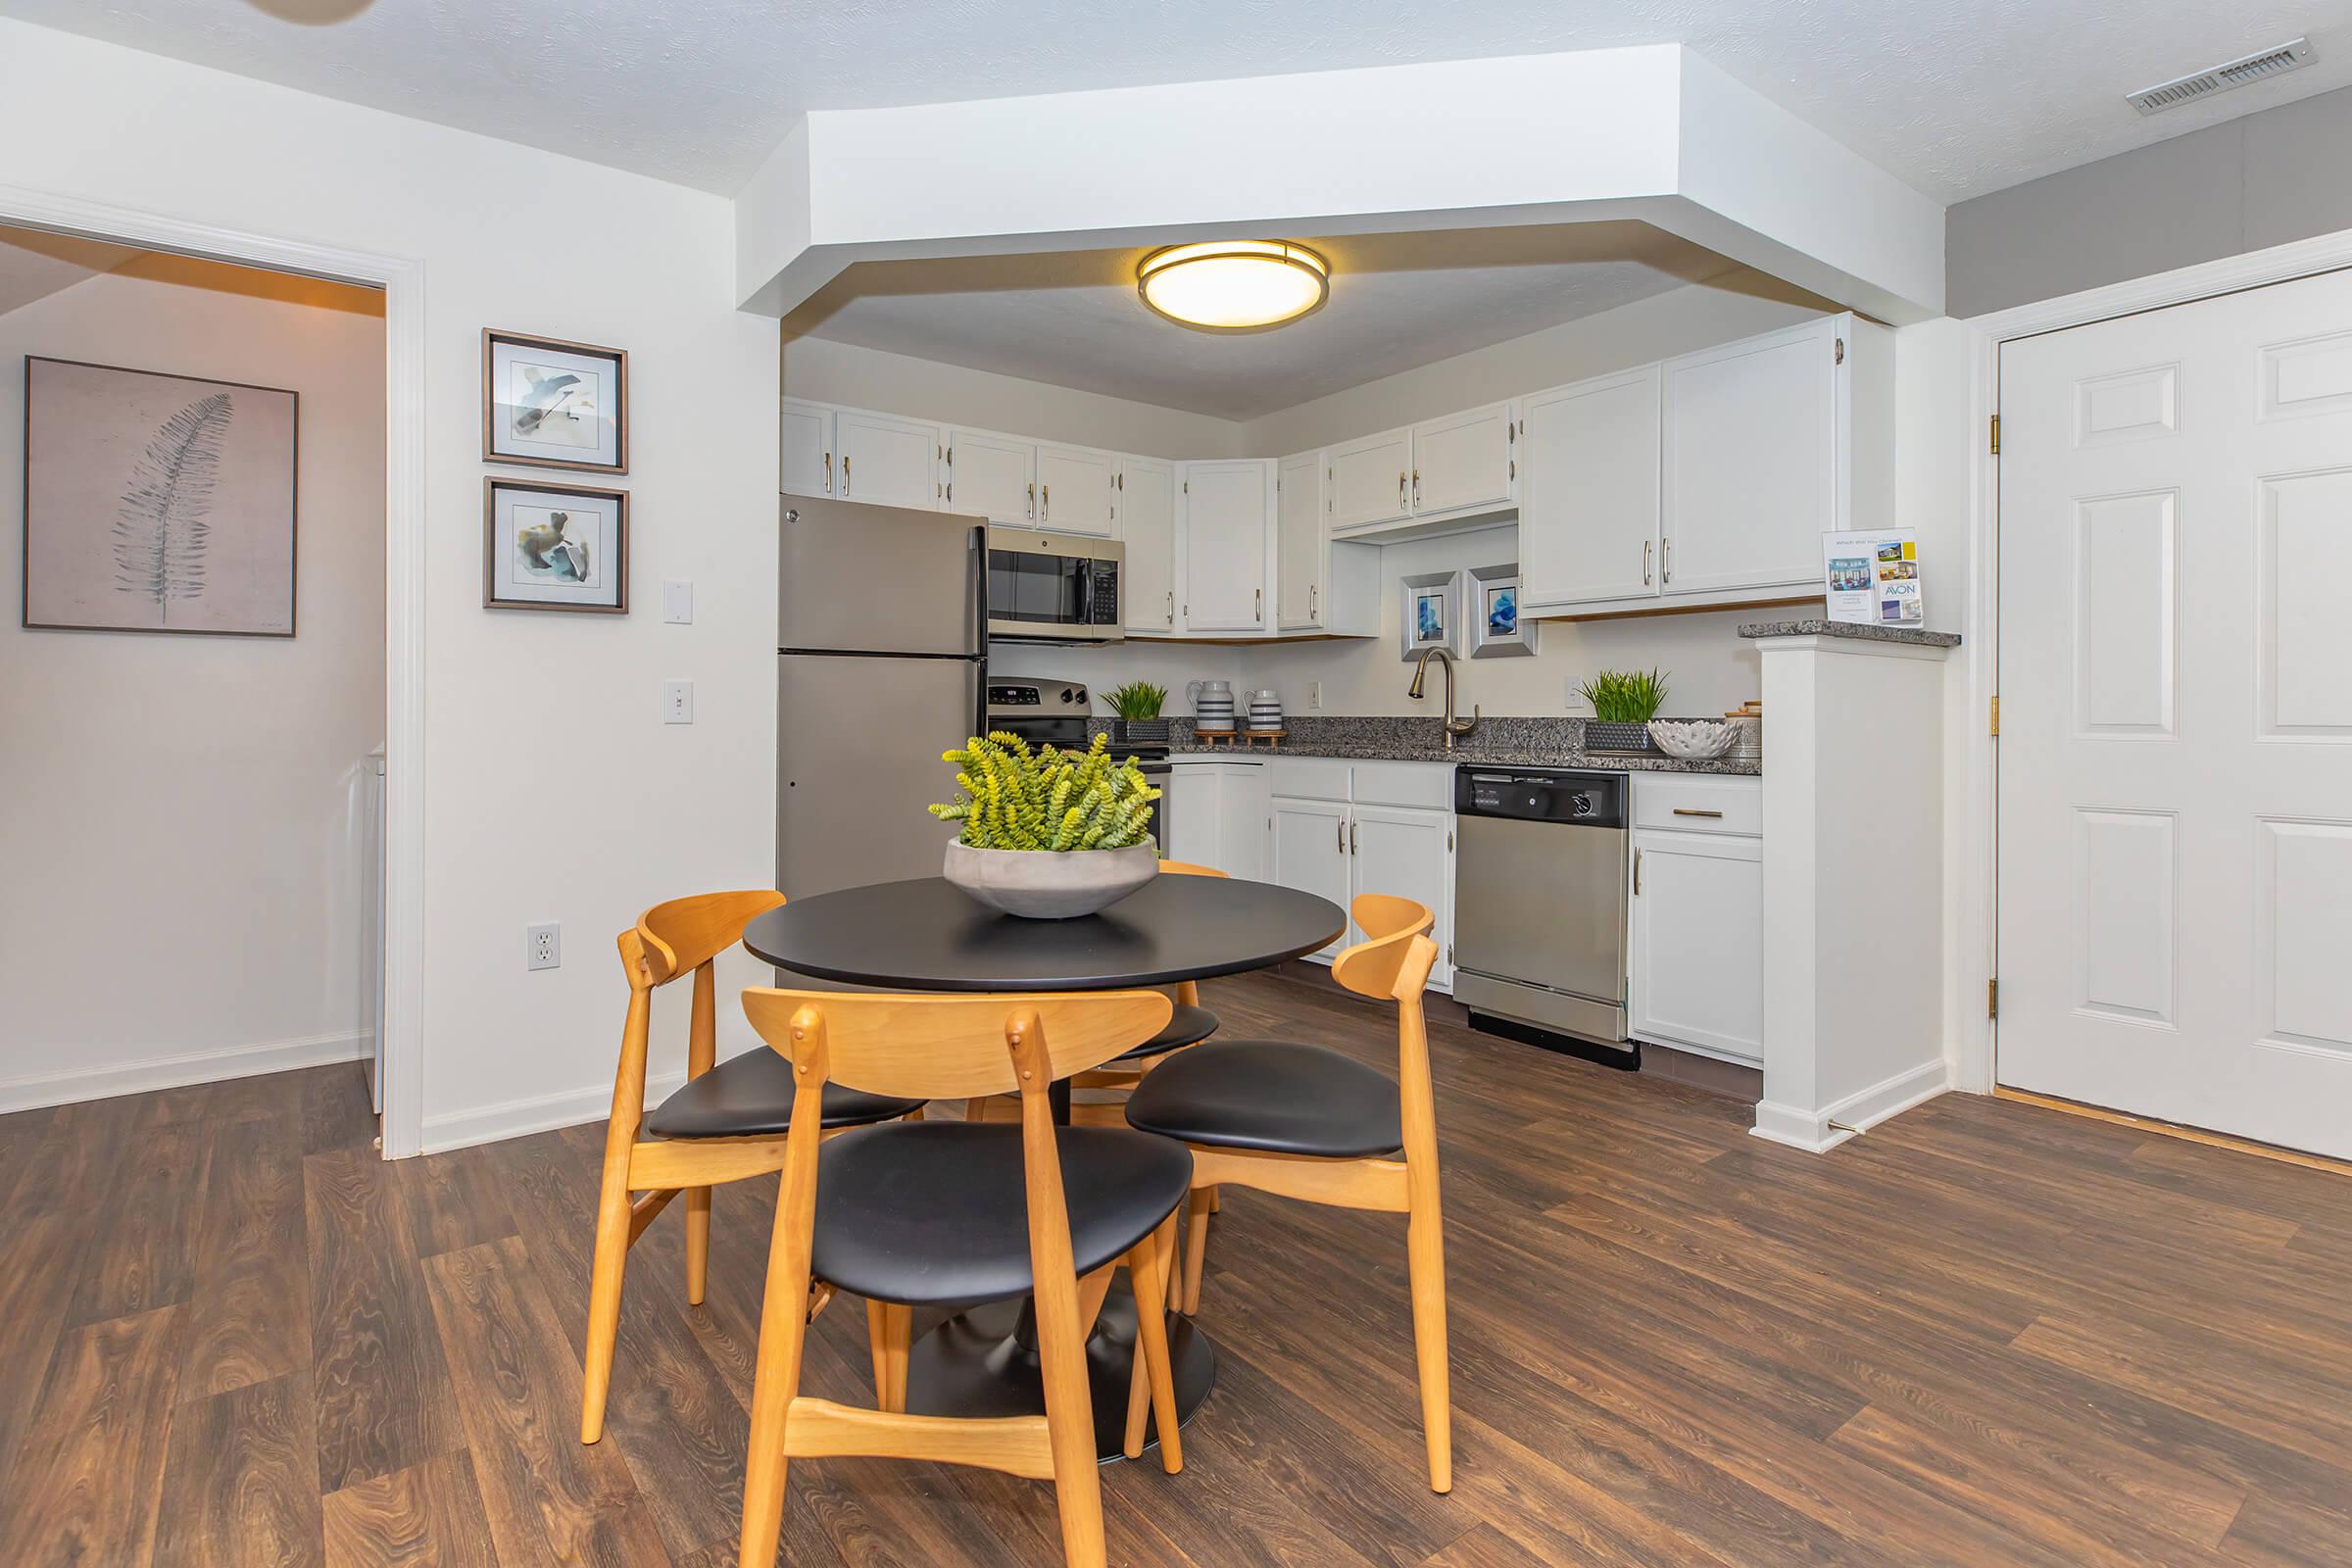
[
  {"x": 1426, "y": 612},
  {"x": 1496, "y": 630}
]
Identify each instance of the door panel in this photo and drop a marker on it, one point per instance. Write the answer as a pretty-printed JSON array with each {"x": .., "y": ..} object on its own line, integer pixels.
[
  {"x": 1073, "y": 489},
  {"x": 887, "y": 462},
  {"x": 2175, "y": 751},
  {"x": 807, "y": 440},
  {"x": 856, "y": 761},
  {"x": 1588, "y": 499},
  {"x": 1146, "y": 507},
  {"x": 1699, "y": 942},
  {"x": 878, "y": 579},
  {"x": 1311, "y": 852},
  {"x": 1463, "y": 460},
  {"x": 1750, "y": 458},
  {"x": 1225, "y": 547},
  {"x": 1408, "y": 853},
  {"x": 992, "y": 476},
  {"x": 1370, "y": 479},
  {"x": 1300, "y": 548}
]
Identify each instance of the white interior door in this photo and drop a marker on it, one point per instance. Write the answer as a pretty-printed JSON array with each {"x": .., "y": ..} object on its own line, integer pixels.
[{"x": 2175, "y": 752}]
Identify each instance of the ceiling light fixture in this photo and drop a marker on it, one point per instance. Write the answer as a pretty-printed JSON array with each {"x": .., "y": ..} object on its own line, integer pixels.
[{"x": 1234, "y": 285}]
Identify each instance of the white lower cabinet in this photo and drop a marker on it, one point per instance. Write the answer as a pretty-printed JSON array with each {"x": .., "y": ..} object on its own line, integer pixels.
[
  {"x": 1310, "y": 852},
  {"x": 1697, "y": 921},
  {"x": 1410, "y": 854},
  {"x": 1343, "y": 829},
  {"x": 1219, "y": 814}
]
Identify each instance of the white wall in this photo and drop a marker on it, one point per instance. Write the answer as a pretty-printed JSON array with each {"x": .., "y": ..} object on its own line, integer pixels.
[
  {"x": 180, "y": 809},
  {"x": 553, "y": 791}
]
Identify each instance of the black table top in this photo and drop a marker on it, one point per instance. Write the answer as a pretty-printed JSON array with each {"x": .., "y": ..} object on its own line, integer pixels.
[{"x": 924, "y": 935}]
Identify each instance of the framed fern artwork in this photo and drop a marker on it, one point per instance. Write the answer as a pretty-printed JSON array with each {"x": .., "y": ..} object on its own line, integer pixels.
[{"x": 157, "y": 503}]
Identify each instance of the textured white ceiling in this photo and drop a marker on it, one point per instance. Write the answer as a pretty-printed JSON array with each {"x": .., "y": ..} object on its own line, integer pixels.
[
  {"x": 1397, "y": 300},
  {"x": 1957, "y": 97}
]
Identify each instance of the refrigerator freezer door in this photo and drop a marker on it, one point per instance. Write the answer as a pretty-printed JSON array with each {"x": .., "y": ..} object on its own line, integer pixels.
[
  {"x": 881, "y": 579},
  {"x": 858, "y": 743}
]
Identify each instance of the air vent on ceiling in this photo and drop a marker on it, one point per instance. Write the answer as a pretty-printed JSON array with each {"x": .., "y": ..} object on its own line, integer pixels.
[{"x": 2292, "y": 55}]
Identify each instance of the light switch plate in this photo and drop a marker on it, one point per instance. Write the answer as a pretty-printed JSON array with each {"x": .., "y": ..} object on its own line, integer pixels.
[
  {"x": 543, "y": 945},
  {"x": 678, "y": 701},
  {"x": 1315, "y": 694},
  {"x": 677, "y": 602}
]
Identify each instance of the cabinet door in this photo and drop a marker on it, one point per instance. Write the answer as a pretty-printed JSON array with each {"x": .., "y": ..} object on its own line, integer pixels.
[
  {"x": 1225, "y": 547},
  {"x": 1699, "y": 942},
  {"x": 1073, "y": 489},
  {"x": 1370, "y": 478},
  {"x": 1464, "y": 461},
  {"x": 1302, "y": 547},
  {"x": 1589, "y": 497},
  {"x": 1310, "y": 852},
  {"x": 1750, "y": 463},
  {"x": 892, "y": 462},
  {"x": 807, "y": 449},
  {"x": 1410, "y": 854},
  {"x": 990, "y": 477},
  {"x": 1144, "y": 490}
]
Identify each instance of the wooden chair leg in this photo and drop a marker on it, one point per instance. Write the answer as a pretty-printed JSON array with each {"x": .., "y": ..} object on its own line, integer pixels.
[
  {"x": 612, "y": 1261},
  {"x": 1070, "y": 1426},
  {"x": 1425, "y": 1257},
  {"x": 975, "y": 1109},
  {"x": 698, "y": 1243},
  {"x": 776, "y": 1380},
  {"x": 1145, "y": 1265},
  {"x": 1196, "y": 1245},
  {"x": 889, "y": 1327}
]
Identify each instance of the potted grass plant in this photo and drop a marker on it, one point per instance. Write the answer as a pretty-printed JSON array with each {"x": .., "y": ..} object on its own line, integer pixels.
[
  {"x": 1136, "y": 705},
  {"x": 1047, "y": 834},
  {"x": 1623, "y": 702}
]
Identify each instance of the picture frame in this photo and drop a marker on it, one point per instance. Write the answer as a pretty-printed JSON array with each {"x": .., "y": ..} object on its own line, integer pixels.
[
  {"x": 158, "y": 502},
  {"x": 559, "y": 547},
  {"x": 1491, "y": 618},
  {"x": 1429, "y": 612},
  {"x": 549, "y": 403}
]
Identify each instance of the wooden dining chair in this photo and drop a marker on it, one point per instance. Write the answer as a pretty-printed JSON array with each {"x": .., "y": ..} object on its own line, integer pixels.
[
  {"x": 728, "y": 1120},
  {"x": 1306, "y": 1122},
  {"x": 943, "y": 1214}
]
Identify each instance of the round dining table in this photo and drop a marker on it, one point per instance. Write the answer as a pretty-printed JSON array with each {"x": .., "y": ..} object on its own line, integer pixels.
[{"x": 924, "y": 935}]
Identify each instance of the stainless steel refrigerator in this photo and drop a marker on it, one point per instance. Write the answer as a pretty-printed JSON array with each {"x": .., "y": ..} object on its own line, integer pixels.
[{"x": 882, "y": 648}]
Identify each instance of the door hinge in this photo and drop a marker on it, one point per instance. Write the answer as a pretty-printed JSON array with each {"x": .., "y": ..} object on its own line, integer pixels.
[
  {"x": 1840, "y": 358},
  {"x": 1996, "y": 435},
  {"x": 1993, "y": 998},
  {"x": 1996, "y": 717}
]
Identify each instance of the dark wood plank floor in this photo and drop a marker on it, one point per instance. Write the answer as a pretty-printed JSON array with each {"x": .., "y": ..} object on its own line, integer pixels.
[{"x": 1984, "y": 1334}]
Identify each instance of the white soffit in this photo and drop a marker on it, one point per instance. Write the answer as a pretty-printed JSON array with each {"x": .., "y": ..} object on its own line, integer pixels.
[{"x": 1652, "y": 133}]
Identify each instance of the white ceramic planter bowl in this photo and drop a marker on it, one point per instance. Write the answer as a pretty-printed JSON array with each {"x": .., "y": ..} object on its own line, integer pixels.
[
  {"x": 1043, "y": 885},
  {"x": 1693, "y": 740}
]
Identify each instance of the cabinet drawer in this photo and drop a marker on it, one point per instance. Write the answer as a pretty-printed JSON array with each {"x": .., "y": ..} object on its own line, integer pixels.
[
  {"x": 1698, "y": 803},
  {"x": 1423, "y": 784},
  {"x": 1313, "y": 778}
]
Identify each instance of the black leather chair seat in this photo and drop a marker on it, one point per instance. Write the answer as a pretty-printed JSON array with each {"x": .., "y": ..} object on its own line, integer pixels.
[
  {"x": 1186, "y": 1026},
  {"x": 753, "y": 1094},
  {"x": 1275, "y": 1095},
  {"x": 935, "y": 1213}
]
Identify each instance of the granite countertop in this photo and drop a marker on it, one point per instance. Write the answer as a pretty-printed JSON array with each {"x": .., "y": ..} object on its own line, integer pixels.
[
  {"x": 1503, "y": 742},
  {"x": 1859, "y": 630}
]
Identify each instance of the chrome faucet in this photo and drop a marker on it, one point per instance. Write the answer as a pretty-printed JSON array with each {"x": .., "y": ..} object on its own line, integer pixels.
[{"x": 1454, "y": 726}]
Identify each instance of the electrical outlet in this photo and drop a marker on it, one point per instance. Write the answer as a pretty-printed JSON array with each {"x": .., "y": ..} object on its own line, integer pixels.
[
  {"x": 1576, "y": 700},
  {"x": 543, "y": 947},
  {"x": 677, "y": 602},
  {"x": 678, "y": 701}
]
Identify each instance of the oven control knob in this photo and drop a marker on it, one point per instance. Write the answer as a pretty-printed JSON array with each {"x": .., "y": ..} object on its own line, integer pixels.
[
  {"x": 1081, "y": 694},
  {"x": 1065, "y": 694}
]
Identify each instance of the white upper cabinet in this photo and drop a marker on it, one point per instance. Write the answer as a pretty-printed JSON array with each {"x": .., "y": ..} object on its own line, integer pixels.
[
  {"x": 1751, "y": 461},
  {"x": 806, "y": 431},
  {"x": 1370, "y": 479},
  {"x": 888, "y": 461},
  {"x": 1301, "y": 543},
  {"x": 1589, "y": 500},
  {"x": 992, "y": 476},
  {"x": 1464, "y": 462},
  {"x": 1144, "y": 491},
  {"x": 1074, "y": 489},
  {"x": 1225, "y": 538}
]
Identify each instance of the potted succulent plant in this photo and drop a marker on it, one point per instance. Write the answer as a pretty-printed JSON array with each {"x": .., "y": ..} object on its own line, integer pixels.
[
  {"x": 1047, "y": 834},
  {"x": 1623, "y": 702},
  {"x": 1136, "y": 705}
]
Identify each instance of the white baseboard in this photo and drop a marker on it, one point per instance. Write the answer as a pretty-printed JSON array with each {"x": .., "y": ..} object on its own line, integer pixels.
[
  {"x": 175, "y": 1072},
  {"x": 515, "y": 1119},
  {"x": 1819, "y": 1131}
]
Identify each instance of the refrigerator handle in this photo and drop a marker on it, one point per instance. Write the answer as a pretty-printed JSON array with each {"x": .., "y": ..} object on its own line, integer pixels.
[{"x": 979, "y": 556}]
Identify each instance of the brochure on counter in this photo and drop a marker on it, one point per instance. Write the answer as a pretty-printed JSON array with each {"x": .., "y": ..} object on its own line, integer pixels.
[{"x": 1873, "y": 577}]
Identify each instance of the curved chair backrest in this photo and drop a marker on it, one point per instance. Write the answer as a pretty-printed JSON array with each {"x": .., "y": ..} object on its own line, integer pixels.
[
  {"x": 947, "y": 1046},
  {"x": 1188, "y": 869},
  {"x": 1373, "y": 967},
  {"x": 682, "y": 935}
]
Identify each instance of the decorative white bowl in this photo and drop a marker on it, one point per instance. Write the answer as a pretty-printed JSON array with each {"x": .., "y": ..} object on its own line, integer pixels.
[
  {"x": 1045, "y": 885},
  {"x": 1693, "y": 740}
]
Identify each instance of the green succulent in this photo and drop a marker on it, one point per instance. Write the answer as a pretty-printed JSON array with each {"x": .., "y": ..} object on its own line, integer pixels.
[
  {"x": 1008, "y": 797},
  {"x": 1137, "y": 699},
  {"x": 1625, "y": 695}
]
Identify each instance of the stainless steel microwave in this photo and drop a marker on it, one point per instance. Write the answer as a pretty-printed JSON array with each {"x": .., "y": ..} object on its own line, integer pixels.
[{"x": 1052, "y": 587}]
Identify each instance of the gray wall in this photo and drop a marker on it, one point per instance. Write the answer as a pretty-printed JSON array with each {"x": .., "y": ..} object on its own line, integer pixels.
[{"x": 2282, "y": 175}]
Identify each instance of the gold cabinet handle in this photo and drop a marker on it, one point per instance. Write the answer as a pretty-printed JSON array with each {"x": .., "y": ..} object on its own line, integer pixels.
[
  {"x": 1666, "y": 562},
  {"x": 1401, "y": 487},
  {"x": 1257, "y": 604},
  {"x": 1646, "y": 547},
  {"x": 1693, "y": 811},
  {"x": 1338, "y": 831},
  {"x": 1045, "y": 495},
  {"x": 1636, "y": 873},
  {"x": 1032, "y": 512},
  {"x": 1171, "y": 607},
  {"x": 845, "y": 474},
  {"x": 828, "y": 473},
  {"x": 1416, "y": 489}
]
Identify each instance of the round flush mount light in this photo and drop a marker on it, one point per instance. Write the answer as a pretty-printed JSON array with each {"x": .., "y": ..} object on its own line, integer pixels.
[{"x": 1234, "y": 285}]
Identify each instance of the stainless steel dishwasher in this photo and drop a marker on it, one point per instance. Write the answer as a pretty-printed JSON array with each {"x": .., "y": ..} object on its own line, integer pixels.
[{"x": 1539, "y": 899}]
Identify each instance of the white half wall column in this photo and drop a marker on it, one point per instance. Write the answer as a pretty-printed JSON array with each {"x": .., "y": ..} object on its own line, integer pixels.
[{"x": 1853, "y": 877}]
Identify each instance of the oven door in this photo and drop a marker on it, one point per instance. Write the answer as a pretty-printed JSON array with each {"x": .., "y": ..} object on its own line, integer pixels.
[{"x": 1059, "y": 588}]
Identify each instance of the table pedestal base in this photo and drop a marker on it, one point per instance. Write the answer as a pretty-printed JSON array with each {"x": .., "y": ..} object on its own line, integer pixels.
[{"x": 975, "y": 1364}]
